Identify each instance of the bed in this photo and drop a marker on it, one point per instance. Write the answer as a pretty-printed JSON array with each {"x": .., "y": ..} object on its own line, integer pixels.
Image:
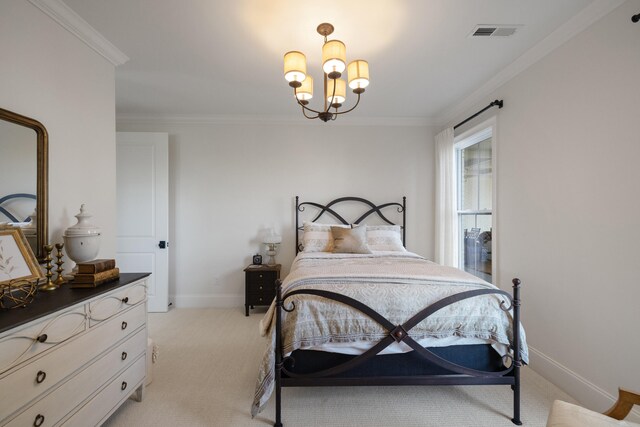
[
  {"x": 384, "y": 316},
  {"x": 11, "y": 203}
]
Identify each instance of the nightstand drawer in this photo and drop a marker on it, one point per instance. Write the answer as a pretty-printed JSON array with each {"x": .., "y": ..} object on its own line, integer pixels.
[
  {"x": 263, "y": 287},
  {"x": 260, "y": 285},
  {"x": 260, "y": 299},
  {"x": 261, "y": 276}
]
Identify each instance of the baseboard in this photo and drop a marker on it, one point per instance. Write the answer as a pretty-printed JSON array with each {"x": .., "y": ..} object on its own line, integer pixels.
[
  {"x": 584, "y": 391},
  {"x": 208, "y": 301}
]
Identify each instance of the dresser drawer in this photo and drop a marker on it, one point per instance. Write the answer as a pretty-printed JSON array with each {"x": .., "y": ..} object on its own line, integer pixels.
[
  {"x": 26, "y": 343},
  {"x": 92, "y": 413},
  {"x": 125, "y": 323},
  {"x": 53, "y": 407},
  {"x": 35, "y": 378},
  {"x": 116, "y": 302}
]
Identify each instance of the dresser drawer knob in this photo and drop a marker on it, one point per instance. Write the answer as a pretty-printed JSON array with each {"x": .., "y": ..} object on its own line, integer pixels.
[
  {"x": 124, "y": 355},
  {"x": 260, "y": 276},
  {"x": 123, "y": 386},
  {"x": 39, "y": 420},
  {"x": 41, "y": 376},
  {"x": 124, "y": 325},
  {"x": 42, "y": 338},
  {"x": 260, "y": 287},
  {"x": 125, "y": 300},
  {"x": 259, "y": 299}
]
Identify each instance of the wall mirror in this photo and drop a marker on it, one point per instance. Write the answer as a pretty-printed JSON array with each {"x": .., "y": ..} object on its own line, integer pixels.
[{"x": 23, "y": 177}]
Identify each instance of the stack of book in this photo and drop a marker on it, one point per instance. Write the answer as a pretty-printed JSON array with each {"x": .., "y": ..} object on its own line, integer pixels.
[{"x": 94, "y": 273}]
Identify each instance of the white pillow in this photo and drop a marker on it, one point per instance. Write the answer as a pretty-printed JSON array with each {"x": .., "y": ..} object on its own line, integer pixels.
[
  {"x": 317, "y": 237},
  {"x": 385, "y": 238}
]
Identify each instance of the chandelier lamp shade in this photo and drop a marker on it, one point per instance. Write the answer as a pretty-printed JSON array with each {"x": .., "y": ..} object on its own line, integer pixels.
[{"x": 334, "y": 64}]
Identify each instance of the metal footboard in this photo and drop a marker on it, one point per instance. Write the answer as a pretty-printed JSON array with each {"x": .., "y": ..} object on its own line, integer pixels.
[{"x": 400, "y": 333}]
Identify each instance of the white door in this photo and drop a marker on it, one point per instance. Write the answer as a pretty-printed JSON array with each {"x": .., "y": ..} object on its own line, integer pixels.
[{"x": 143, "y": 210}]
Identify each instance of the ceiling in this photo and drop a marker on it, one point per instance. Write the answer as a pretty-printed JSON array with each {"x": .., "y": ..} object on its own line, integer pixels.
[{"x": 216, "y": 58}]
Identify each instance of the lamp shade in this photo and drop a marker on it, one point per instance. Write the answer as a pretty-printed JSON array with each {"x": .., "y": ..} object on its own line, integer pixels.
[
  {"x": 334, "y": 56},
  {"x": 341, "y": 91},
  {"x": 295, "y": 66},
  {"x": 305, "y": 92},
  {"x": 272, "y": 239},
  {"x": 358, "y": 72}
]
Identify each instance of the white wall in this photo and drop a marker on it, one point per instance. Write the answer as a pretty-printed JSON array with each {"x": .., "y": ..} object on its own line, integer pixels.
[
  {"x": 568, "y": 186},
  {"x": 50, "y": 75},
  {"x": 229, "y": 181}
]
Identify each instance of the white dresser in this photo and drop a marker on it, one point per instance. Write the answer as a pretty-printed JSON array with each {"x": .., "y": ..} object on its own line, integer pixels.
[{"x": 73, "y": 356}]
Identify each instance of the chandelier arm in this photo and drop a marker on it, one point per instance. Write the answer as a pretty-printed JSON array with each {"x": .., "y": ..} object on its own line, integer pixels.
[
  {"x": 350, "y": 109},
  {"x": 305, "y": 114},
  {"x": 332, "y": 96},
  {"x": 304, "y": 107}
]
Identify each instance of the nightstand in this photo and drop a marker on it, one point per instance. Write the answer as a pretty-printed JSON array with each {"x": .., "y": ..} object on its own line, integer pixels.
[{"x": 260, "y": 285}]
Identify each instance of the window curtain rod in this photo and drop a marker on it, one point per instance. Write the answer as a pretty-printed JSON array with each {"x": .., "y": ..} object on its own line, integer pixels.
[{"x": 499, "y": 103}]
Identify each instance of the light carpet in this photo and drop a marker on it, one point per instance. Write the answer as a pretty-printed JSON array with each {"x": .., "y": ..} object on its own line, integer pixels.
[{"x": 207, "y": 367}]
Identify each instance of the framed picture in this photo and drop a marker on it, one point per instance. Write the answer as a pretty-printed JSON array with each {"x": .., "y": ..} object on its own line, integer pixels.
[{"x": 17, "y": 260}]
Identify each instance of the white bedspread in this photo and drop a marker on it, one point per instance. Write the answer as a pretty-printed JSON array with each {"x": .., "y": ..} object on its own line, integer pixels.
[{"x": 395, "y": 284}]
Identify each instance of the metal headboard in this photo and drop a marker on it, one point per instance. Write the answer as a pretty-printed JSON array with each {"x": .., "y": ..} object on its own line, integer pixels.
[
  {"x": 8, "y": 214},
  {"x": 329, "y": 208}
]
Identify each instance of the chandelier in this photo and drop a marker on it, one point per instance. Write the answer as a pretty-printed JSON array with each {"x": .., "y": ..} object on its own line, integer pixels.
[{"x": 334, "y": 57}]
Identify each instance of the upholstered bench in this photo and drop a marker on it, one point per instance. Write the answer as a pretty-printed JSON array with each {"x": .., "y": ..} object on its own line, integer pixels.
[{"x": 565, "y": 414}]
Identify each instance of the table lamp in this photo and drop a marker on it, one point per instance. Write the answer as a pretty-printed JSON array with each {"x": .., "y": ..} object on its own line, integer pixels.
[{"x": 272, "y": 241}]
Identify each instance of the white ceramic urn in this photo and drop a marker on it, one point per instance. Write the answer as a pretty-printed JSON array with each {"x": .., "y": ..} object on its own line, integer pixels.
[{"x": 82, "y": 240}]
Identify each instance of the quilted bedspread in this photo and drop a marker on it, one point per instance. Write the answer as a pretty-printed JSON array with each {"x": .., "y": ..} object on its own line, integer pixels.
[{"x": 395, "y": 284}]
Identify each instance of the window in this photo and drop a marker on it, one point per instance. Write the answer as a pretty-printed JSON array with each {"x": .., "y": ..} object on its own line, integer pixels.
[{"x": 475, "y": 184}]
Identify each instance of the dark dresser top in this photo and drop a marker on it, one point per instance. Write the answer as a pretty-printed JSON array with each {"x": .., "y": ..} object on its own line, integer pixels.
[{"x": 46, "y": 303}]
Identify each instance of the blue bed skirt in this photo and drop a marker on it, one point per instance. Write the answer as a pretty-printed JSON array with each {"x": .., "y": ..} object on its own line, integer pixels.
[{"x": 477, "y": 356}]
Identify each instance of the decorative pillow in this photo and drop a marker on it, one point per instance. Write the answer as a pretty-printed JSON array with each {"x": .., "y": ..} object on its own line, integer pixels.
[
  {"x": 317, "y": 237},
  {"x": 350, "y": 240},
  {"x": 385, "y": 238}
]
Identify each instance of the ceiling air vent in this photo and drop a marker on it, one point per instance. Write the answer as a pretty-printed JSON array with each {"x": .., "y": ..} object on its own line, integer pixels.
[
  {"x": 484, "y": 31},
  {"x": 494, "y": 30}
]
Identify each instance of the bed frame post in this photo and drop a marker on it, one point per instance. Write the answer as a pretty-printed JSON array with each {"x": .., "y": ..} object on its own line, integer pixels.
[
  {"x": 278, "y": 349},
  {"x": 297, "y": 225},
  {"x": 517, "y": 360},
  {"x": 404, "y": 221}
]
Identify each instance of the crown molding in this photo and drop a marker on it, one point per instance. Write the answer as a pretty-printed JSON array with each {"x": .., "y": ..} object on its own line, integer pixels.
[
  {"x": 72, "y": 22},
  {"x": 271, "y": 120},
  {"x": 584, "y": 19}
]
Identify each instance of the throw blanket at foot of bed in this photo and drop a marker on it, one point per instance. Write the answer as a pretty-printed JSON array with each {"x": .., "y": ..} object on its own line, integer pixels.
[{"x": 397, "y": 285}]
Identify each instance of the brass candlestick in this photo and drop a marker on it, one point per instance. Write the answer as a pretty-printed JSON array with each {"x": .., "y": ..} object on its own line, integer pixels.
[
  {"x": 59, "y": 280},
  {"x": 48, "y": 285}
]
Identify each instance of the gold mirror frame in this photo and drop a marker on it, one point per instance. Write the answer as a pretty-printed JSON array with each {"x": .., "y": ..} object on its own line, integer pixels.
[{"x": 42, "y": 186}]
